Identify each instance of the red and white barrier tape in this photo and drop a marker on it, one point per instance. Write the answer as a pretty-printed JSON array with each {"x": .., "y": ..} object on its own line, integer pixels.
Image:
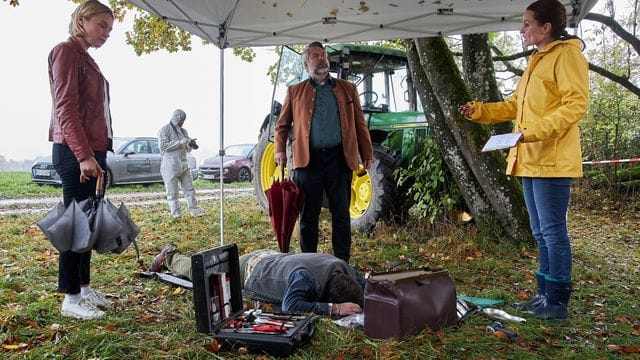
[{"x": 611, "y": 161}]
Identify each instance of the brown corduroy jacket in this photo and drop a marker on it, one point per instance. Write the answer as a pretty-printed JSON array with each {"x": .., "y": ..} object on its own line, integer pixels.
[{"x": 297, "y": 113}]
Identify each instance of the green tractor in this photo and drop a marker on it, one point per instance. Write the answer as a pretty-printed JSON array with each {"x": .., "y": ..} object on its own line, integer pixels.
[{"x": 390, "y": 106}]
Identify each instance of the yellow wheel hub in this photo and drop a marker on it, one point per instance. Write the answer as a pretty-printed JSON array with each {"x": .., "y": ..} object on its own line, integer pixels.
[
  {"x": 361, "y": 191},
  {"x": 269, "y": 172}
]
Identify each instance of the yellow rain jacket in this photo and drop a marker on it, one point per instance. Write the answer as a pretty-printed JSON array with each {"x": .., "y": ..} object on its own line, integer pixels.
[{"x": 551, "y": 98}]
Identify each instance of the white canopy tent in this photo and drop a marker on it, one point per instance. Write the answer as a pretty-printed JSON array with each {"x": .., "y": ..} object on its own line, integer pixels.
[
  {"x": 250, "y": 23},
  {"x": 247, "y": 23}
]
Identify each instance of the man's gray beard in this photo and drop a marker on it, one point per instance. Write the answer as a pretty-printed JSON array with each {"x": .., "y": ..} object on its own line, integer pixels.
[{"x": 321, "y": 71}]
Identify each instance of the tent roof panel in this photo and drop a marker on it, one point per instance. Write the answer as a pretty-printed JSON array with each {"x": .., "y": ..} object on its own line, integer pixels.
[{"x": 235, "y": 23}]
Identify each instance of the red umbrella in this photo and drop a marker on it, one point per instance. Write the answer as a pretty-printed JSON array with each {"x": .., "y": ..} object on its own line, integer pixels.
[{"x": 285, "y": 202}]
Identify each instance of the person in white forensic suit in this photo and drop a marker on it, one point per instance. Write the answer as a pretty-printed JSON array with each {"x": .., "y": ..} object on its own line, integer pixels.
[{"x": 174, "y": 144}]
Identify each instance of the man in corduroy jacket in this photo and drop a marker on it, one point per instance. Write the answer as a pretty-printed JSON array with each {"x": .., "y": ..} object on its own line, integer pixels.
[{"x": 330, "y": 139}]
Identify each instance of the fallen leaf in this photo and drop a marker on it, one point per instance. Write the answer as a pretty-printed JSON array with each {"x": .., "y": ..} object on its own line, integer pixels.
[
  {"x": 600, "y": 333},
  {"x": 213, "y": 346},
  {"x": 622, "y": 319},
  {"x": 14, "y": 346},
  {"x": 624, "y": 349},
  {"x": 522, "y": 295}
]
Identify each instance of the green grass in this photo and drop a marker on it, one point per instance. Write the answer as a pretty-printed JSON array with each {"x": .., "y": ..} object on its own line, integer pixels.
[{"x": 153, "y": 320}]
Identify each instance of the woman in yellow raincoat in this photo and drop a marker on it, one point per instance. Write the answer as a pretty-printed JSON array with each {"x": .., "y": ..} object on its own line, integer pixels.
[{"x": 550, "y": 100}]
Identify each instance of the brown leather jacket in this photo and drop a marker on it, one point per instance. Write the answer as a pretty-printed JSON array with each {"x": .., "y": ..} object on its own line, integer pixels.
[
  {"x": 298, "y": 109},
  {"x": 78, "y": 94}
]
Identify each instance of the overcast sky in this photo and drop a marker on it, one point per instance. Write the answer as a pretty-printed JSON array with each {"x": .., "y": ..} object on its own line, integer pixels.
[{"x": 144, "y": 90}]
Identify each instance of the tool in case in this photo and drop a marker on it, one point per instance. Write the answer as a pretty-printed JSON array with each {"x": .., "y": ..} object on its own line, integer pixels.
[{"x": 217, "y": 299}]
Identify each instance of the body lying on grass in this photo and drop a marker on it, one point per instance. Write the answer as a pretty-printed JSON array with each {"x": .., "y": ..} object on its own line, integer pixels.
[{"x": 306, "y": 282}]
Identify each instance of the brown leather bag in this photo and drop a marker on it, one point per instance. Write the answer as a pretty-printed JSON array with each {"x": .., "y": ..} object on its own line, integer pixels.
[{"x": 403, "y": 303}]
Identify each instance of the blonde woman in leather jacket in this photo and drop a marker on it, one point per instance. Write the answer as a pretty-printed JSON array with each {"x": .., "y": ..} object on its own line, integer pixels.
[{"x": 80, "y": 130}]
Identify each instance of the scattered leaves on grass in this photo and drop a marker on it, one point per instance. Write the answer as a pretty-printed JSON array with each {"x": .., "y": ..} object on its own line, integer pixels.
[{"x": 158, "y": 319}]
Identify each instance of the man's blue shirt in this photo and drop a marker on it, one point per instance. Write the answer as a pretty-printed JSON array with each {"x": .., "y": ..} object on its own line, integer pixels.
[{"x": 325, "y": 122}]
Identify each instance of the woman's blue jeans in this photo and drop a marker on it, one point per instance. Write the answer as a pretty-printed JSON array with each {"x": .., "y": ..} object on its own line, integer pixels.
[{"x": 547, "y": 201}]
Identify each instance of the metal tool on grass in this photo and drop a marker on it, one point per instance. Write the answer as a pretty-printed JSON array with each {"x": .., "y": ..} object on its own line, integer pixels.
[{"x": 497, "y": 329}]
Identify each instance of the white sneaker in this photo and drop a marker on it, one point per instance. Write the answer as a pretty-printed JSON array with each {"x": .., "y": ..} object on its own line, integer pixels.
[
  {"x": 82, "y": 310},
  {"x": 98, "y": 300},
  {"x": 197, "y": 212}
]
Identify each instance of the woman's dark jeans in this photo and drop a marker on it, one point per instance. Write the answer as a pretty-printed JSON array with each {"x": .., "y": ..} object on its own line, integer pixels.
[
  {"x": 73, "y": 267},
  {"x": 547, "y": 201}
]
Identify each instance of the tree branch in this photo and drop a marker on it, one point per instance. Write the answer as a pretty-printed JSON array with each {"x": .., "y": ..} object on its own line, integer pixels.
[
  {"x": 623, "y": 81},
  {"x": 616, "y": 28},
  {"x": 615, "y": 78},
  {"x": 506, "y": 59}
]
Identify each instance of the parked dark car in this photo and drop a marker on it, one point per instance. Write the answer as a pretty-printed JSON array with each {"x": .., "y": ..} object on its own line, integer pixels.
[
  {"x": 135, "y": 160},
  {"x": 238, "y": 164}
]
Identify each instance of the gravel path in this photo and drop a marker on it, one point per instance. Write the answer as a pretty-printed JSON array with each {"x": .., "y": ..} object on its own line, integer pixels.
[{"x": 39, "y": 205}]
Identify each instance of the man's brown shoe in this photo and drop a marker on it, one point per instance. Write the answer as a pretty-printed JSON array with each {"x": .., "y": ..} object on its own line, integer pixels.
[{"x": 158, "y": 262}]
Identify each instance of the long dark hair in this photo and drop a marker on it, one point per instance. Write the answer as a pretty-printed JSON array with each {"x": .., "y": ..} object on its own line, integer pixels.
[{"x": 554, "y": 13}]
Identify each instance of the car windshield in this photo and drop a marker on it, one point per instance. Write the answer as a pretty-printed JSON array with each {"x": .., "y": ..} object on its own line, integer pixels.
[
  {"x": 239, "y": 150},
  {"x": 118, "y": 143}
]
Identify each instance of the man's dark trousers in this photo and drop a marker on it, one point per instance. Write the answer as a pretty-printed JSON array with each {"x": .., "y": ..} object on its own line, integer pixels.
[{"x": 327, "y": 172}]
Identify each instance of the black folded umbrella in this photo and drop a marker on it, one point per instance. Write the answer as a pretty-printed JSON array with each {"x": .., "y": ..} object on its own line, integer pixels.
[
  {"x": 94, "y": 223},
  {"x": 58, "y": 225}
]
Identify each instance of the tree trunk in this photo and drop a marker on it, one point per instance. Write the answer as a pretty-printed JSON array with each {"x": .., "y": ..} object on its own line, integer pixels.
[
  {"x": 479, "y": 74},
  {"x": 494, "y": 199}
]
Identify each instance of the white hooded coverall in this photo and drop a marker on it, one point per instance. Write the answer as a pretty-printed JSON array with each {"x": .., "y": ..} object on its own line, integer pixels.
[{"x": 174, "y": 145}]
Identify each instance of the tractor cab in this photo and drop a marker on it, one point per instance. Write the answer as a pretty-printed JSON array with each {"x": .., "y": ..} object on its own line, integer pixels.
[{"x": 381, "y": 75}]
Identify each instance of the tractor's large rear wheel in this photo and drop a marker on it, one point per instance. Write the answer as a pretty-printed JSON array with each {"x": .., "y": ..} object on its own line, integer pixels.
[
  {"x": 374, "y": 192},
  {"x": 265, "y": 170}
]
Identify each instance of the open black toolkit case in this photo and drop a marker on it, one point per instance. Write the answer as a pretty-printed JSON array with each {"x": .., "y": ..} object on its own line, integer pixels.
[{"x": 217, "y": 299}]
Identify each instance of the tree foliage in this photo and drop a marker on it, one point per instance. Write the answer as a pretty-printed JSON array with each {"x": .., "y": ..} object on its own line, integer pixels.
[
  {"x": 151, "y": 34},
  {"x": 433, "y": 190}
]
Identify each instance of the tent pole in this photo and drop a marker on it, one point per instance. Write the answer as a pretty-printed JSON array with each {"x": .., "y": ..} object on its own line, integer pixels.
[{"x": 221, "y": 153}]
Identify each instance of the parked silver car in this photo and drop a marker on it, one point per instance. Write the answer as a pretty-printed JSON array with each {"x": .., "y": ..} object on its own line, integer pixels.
[{"x": 135, "y": 160}]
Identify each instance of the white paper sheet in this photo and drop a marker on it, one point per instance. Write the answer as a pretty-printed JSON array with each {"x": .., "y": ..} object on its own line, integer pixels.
[{"x": 502, "y": 141}]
